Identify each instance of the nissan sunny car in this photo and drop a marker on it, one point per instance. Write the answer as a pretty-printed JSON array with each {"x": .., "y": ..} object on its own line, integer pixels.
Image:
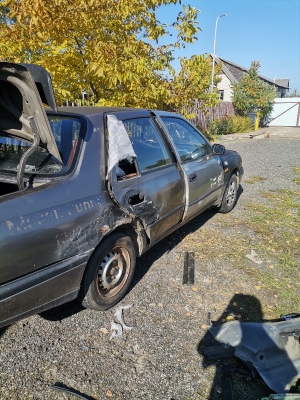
[{"x": 86, "y": 190}]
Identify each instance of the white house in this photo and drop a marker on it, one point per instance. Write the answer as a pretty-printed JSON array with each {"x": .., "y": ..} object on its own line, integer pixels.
[{"x": 233, "y": 73}]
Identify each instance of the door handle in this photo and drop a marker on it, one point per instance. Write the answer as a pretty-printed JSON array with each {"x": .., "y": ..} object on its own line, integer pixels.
[{"x": 193, "y": 177}]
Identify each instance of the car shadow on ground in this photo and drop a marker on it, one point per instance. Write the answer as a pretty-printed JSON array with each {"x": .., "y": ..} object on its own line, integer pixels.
[
  {"x": 2, "y": 331},
  {"x": 143, "y": 263},
  {"x": 62, "y": 312}
]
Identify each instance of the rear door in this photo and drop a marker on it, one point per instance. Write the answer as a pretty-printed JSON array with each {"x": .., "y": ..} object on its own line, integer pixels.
[
  {"x": 149, "y": 185},
  {"x": 203, "y": 170}
]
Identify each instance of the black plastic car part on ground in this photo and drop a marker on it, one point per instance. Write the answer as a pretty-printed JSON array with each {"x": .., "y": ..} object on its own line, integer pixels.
[{"x": 85, "y": 190}]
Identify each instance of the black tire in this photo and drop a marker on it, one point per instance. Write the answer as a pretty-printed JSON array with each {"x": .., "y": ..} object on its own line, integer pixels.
[
  {"x": 109, "y": 273},
  {"x": 230, "y": 195}
]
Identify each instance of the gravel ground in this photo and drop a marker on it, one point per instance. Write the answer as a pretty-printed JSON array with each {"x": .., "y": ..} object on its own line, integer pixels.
[{"x": 161, "y": 356}]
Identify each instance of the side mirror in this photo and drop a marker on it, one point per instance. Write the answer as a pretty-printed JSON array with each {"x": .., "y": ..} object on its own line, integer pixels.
[{"x": 218, "y": 149}]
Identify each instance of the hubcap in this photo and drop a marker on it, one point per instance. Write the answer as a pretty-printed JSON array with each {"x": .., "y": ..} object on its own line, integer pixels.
[
  {"x": 113, "y": 272},
  {"x": 231, "y": 194}
]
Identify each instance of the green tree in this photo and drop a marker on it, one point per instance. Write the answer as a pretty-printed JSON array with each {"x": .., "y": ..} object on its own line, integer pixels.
[
  {"x": 192, "y": 83},
  {"x": 252, "y": 94},
  {"x": 108, "y": 48}
]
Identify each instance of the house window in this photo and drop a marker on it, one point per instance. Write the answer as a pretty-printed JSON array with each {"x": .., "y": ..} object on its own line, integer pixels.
[{"x": 221, "y": 94}]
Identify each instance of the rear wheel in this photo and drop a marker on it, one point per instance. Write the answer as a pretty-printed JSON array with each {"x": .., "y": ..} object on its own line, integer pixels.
[
  {"x": 230, "y": 195},
  {"x": 109, "y": 273}
]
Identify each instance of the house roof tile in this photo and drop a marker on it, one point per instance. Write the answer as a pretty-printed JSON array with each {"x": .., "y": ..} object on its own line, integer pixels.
[{"x": 235, "y": 73}]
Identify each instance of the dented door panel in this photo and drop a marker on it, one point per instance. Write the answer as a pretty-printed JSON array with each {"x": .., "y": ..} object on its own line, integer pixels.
[{"x": 156, "y": 198}]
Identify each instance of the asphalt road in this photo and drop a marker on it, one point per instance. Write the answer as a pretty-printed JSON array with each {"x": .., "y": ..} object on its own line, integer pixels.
[{"x": 161, "y": 356}]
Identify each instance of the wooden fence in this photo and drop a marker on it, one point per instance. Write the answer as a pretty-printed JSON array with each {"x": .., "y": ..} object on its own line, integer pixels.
[{"x": 203, "y": 119}]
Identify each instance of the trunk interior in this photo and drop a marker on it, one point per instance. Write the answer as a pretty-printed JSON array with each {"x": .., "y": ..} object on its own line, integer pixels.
[{"x": 7, "y": 188}]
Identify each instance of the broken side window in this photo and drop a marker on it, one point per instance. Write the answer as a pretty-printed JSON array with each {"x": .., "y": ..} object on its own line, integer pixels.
[
  {"x": 120, "y": 153},
  {"x": 148, "y": 144}
]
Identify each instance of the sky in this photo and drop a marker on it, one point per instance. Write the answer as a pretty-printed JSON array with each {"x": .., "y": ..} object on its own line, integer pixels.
[{"x": 267, "y": 31}]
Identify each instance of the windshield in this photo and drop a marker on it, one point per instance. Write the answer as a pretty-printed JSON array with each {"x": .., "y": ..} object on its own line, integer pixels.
[{"x": 66, "y": 133}]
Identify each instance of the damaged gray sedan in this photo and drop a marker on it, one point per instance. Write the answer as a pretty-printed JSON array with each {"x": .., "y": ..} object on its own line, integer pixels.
[{"x": 85, "y": 190}]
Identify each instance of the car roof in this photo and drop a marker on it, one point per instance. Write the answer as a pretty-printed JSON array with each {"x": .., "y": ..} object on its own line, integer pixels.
[{"x": 91, "y": 110}]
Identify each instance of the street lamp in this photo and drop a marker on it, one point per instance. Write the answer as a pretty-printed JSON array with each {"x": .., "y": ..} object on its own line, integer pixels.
[{"x": 214, "y": 54}]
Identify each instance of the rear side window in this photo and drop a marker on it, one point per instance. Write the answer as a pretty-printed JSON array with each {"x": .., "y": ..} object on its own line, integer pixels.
[
  {"x": 148, "y": 144},
  {"x": 66, "y": 131}
]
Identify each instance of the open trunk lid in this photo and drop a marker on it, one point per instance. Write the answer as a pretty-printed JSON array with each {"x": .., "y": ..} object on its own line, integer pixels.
[{"x": 23, "y": 90}]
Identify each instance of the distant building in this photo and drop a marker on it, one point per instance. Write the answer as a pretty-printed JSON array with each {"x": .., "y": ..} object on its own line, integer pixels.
[{"x": 233, "y": 73}]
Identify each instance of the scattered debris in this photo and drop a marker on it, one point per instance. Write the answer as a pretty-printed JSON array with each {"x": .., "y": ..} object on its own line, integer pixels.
[
  {"x": 230, "y": 318},
  {"x": 60, "y": 387},
  {"x": 253, "y": 256},
  {"x": 118, "y": 328},
  {"x": 262, "y": 135},
  {"x": 208, "y": 318},
  {"x": 119, "y": 316},
  {"x": 188, "y": 269},
  {"x": 104, "y": 330}
]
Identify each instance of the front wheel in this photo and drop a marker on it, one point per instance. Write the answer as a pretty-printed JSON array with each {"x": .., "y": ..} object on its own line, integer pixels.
[
  {"x": 230, "y": 195},
  {"x": 109, "y": 273}
]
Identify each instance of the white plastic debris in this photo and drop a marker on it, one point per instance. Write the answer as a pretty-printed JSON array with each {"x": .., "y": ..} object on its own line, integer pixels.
[
  {"x": 120, "y": 147},
  {"x": 253, "y": 256},
  {"x": 119, "y": 316},
  {"x": 116, "y": 330}
]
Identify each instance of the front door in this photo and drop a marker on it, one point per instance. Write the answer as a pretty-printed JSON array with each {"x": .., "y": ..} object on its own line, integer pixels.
[{"x": 203, "y": 169}]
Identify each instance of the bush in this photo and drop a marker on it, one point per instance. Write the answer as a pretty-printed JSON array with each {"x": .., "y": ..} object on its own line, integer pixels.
[{"x": 230, "y": 124}]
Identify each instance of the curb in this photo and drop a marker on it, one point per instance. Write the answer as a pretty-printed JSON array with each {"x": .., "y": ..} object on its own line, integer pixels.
[{"x": 265, "y": 133}]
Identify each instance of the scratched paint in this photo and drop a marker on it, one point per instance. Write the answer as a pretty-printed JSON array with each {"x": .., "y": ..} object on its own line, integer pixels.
[
  {"x": 19, "y": 224},
  {"x": 59, "y": 233}
]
